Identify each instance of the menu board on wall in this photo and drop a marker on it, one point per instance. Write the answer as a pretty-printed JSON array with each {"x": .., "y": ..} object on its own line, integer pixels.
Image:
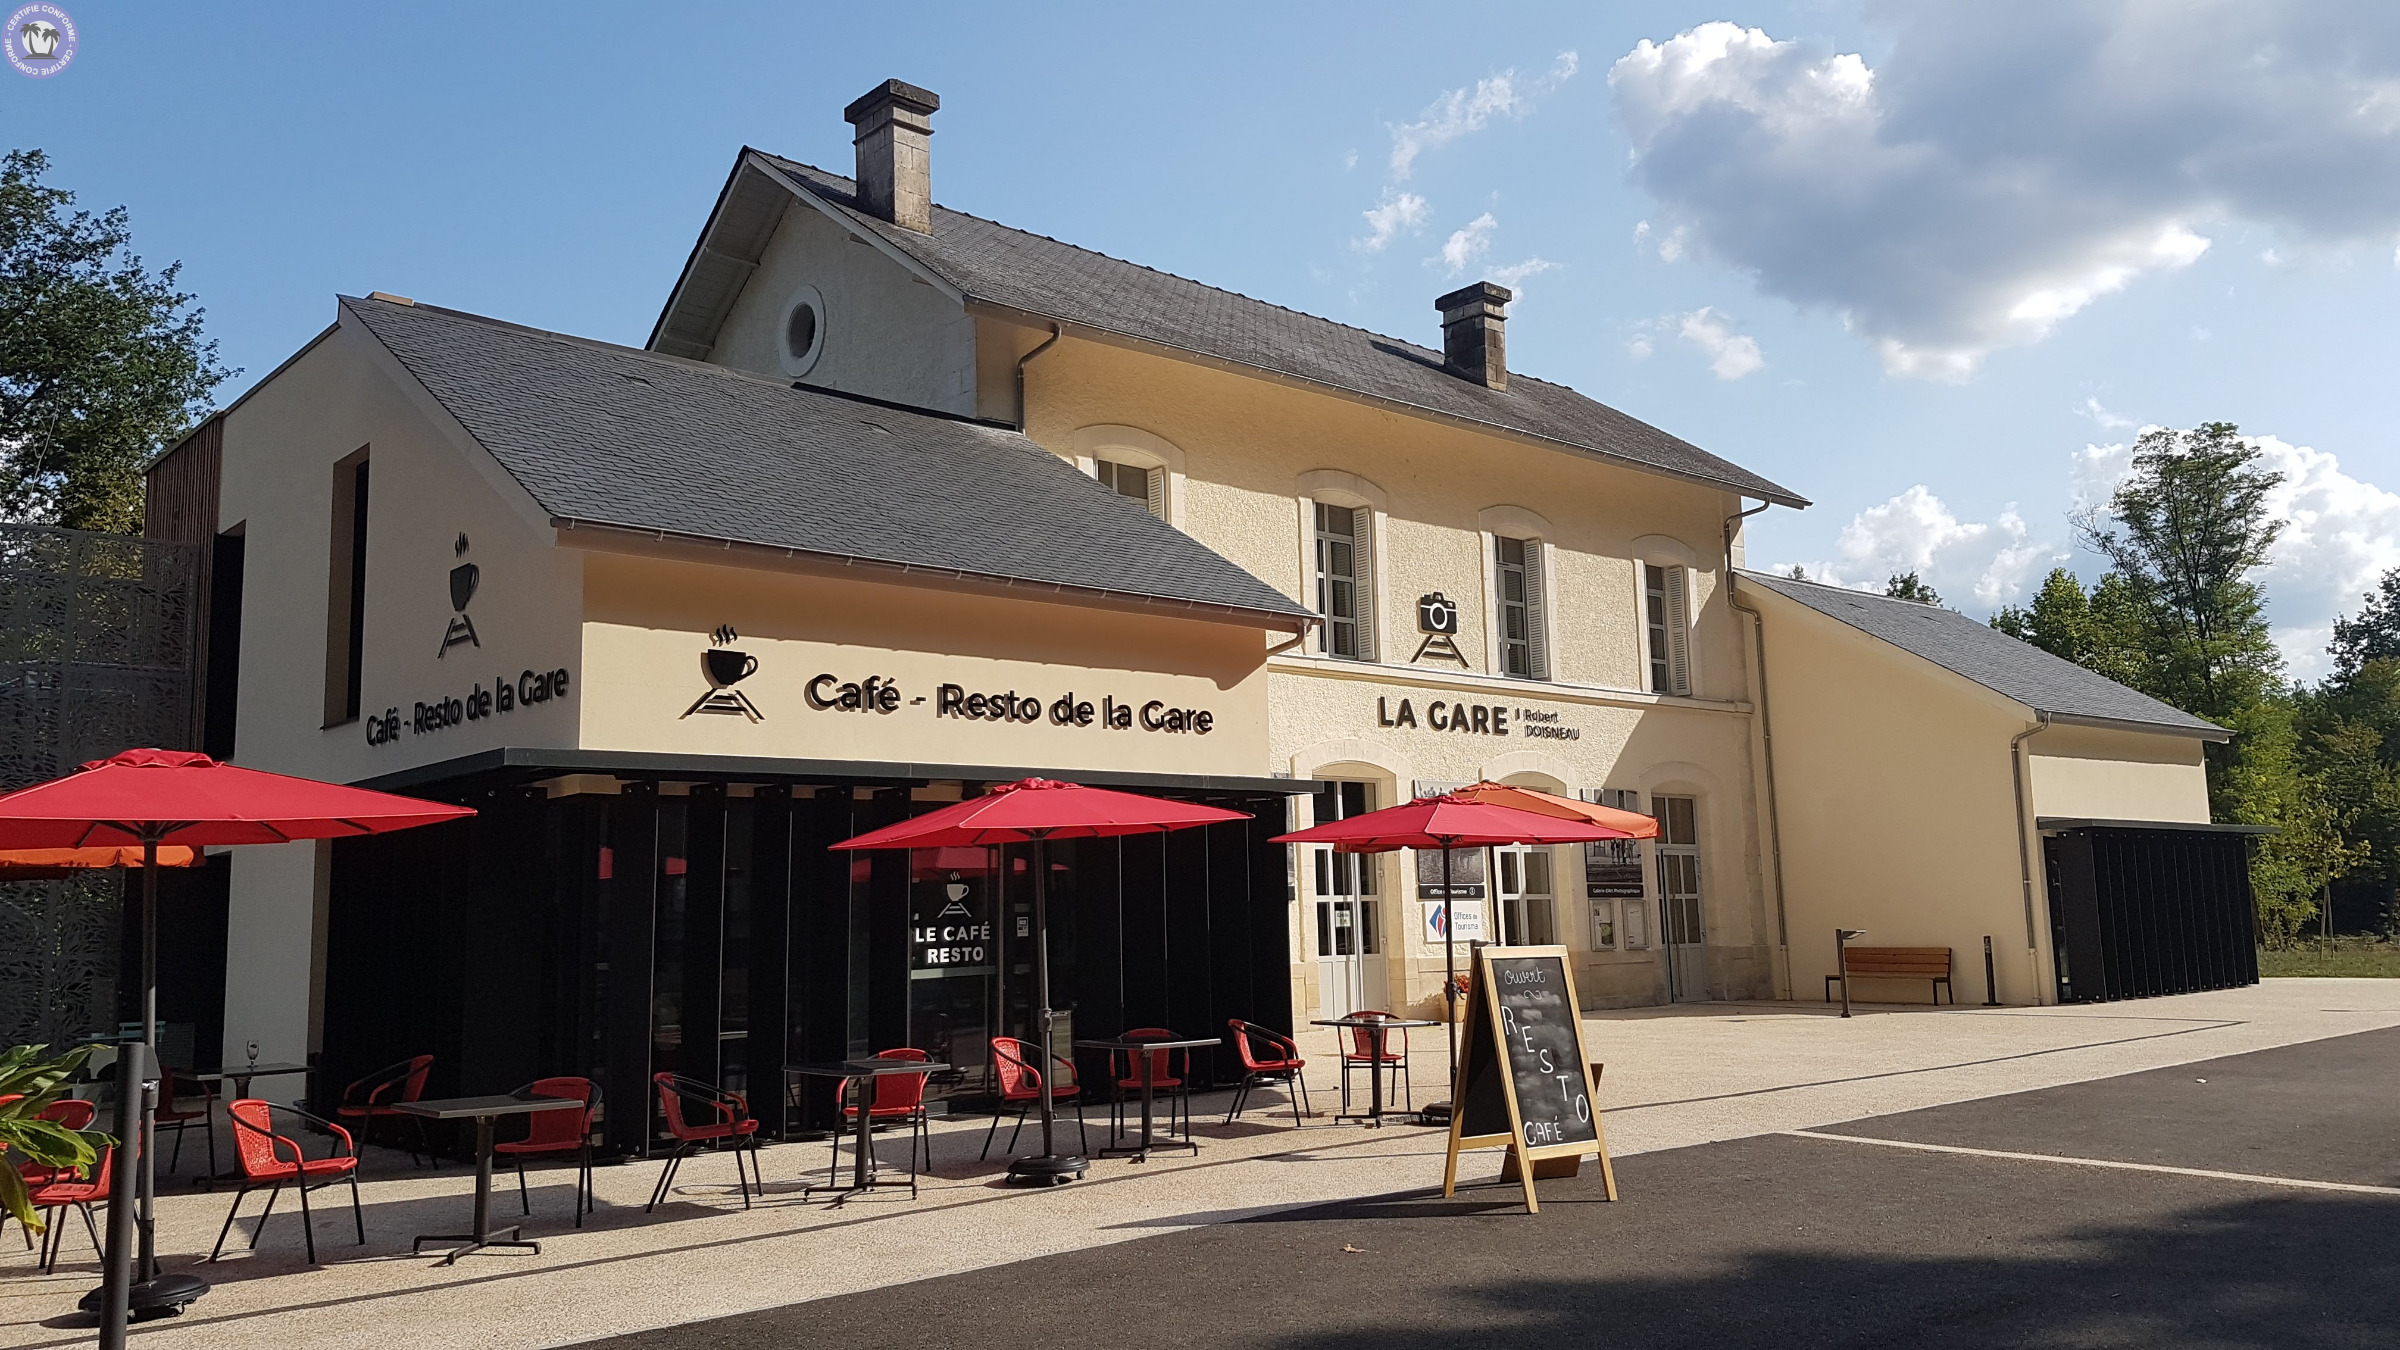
[{"x": 1612, "y": 868}]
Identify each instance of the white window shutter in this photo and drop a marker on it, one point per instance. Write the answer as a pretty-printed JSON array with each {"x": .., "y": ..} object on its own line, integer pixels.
[
  {"x": 1157, "y": 492},
  {"x": 1537, "y": 643},
  {"x": 1679, "y": 651},
  {"x": 1363, "y": 562}
]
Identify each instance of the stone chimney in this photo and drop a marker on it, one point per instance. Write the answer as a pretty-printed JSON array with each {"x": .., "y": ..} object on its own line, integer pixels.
[
  {"x": 895, "y": 166},
  {"x": 1473, "y": 344}
]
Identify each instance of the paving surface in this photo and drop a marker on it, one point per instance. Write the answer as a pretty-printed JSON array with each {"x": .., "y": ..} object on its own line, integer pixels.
[
  {"x": 1781, "y": 1240},
  {"x": 1676, "y": 1078}
]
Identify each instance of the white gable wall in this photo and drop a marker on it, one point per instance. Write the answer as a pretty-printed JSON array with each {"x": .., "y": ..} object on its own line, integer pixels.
[{"x": 887, "y": 334}]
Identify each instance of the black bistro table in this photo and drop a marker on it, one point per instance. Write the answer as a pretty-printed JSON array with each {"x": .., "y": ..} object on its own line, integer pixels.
[
  {"x": 1380, "y": 1029},
  {"x": 1139, "y": 1048},
  {"x": 862, "y": 1176},
  {"x": 483, "y": 1111}
]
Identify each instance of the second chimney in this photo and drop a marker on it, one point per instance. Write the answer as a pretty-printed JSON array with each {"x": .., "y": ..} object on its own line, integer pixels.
[
  {"x": 1474, "y": 344},
  {"x": 895, "y": 164}
]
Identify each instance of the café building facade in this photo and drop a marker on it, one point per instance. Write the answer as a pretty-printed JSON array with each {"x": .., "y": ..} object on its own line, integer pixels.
[{"x": 897, "y": 501}]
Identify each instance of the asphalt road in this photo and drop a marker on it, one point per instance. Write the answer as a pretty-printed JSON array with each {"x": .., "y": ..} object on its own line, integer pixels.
[{"x": 1781, "y": 1241}]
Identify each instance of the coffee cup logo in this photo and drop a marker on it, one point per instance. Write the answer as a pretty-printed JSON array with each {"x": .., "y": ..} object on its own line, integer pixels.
[
  {"x": 727, "y": 667},
  {"x": 463, "y": 580},
  {"x": 724, "y": 667}
]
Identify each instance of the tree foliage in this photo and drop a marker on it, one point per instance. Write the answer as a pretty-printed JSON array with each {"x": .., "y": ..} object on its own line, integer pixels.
[
  {"x": 102, "y": 361},
  {"x": 2374, "y": 635},
  {"x": 29, "y": 1084},
  {"x": 1910, "y": 586}
]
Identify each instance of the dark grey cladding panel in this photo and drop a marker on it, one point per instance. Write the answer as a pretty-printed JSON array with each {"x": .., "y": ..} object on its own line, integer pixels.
[
  {"x": 1042, "y": 276},
  {"x": 613, "y": 435},
  {"x": 1987, "y": 656}
]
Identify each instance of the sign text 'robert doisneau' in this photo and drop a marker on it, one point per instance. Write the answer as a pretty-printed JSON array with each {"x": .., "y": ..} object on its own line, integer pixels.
[{"x": 877, "y": 694}]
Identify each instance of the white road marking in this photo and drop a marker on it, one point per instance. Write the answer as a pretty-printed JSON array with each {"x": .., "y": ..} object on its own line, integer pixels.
[{"x": 2296, "y": 1183}]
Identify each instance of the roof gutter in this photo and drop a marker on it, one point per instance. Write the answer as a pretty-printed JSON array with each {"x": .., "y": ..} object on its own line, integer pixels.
[
  {"x": 2127, "y": 724},
  {"x": 1766, "y": 740},
  {"x": 1024, "y": 415},
  {"x": 1112, "y": 337},
  {"x": 1296, "y": 621}
]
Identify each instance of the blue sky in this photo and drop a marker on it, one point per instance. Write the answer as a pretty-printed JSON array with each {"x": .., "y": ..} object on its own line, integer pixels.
[{"x": 1929, "y": 268}]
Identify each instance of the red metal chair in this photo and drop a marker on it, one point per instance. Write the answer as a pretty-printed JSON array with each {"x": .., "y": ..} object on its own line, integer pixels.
[
  {"x": 276, "y": 1161},
  {"x": 371, "y": 1099},
  {"x": 899, "y": 1097},
  {"x": 727, "y": 1119},
  {"x": 558, "y": 1132},
  {"x": 1358, "y": 1051},
  {"x": 1165, "y": 1077},
  {"x": 180, "y": 1118},
  {"x": 1021, "y": 1085},
  {"x": 64, "y": 1189},
  {"x": 74, "y": 1113},
  {"x": 1281, "y": 1063}
]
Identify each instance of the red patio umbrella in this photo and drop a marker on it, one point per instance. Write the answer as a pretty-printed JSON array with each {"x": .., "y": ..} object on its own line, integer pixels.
[
  {"x": 147, "y": 799},
  {"x": 1447, "y": 822},
  {"x": 52, "y": 864},
  {"x": 1035, "y": 811},
  {"x": 1633, "y": 823}
]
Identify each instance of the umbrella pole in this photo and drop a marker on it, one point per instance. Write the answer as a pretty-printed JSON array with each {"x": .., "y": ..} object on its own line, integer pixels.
[
  {"x": 148, "y": 1268},
  {"x": 1450, "y": 965},
  {"x": 116, "y": 1282},
  {"x": 1049, "y": 1169}
]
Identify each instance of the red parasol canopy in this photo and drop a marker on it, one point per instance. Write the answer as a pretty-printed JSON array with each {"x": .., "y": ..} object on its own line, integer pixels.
[
  {"x": 187, "y": 798},
  {"x": 1031, "y": 809},
  {"x": 1444, "y": 822},
  {"x": 1633, "y": 823}
]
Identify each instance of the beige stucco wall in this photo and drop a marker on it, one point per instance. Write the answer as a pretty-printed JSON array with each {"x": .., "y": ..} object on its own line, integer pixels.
[
  {"x": 644, "y": 637},
  {"x": 2100, "y": 773},
  {"x": 1898, "y": 809},
  {"x": 888, "y": 334},
  {"x": 426, "y": 487},
  {"x": 1247, "y": 454}
]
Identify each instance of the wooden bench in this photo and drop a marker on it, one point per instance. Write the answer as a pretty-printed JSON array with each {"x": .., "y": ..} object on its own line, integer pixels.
[{"x": 1896, "y": 963}]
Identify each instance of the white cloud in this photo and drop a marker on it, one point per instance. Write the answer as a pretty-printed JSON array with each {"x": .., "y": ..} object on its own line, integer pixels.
[
  {"x": 1467, "y": 110},
  {"x": 1513, "y": 276},
  {"x": 2004, "y": 167},
  {"x": 2108, "y": 421},
  {"x": 1469, "y": 243},
  {"x": 2339, "y": 536},
  {"x": 1916, "y": 532},
  {"x": 1396, "y": 212},
  {"x": 1730, "y": 355},
  {"x": 1639, "y": 347}
]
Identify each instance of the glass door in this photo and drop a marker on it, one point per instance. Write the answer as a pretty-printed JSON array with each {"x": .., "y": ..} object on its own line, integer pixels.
[
  {"x": 1527, "y": 902},
  {"x": 1680, "y": 909},
  {"x": 1349, "y": 937},
  {"x": 954, "y": 957}
]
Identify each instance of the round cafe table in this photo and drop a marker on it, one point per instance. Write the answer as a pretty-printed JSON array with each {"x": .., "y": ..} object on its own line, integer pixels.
[
  {"x": 1379, "y": 1029},
  {"x": 1144, "y": 1053}
]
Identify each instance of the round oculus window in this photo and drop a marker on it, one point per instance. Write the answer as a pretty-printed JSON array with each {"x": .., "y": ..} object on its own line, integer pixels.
[{"x": 800, "y": 331}]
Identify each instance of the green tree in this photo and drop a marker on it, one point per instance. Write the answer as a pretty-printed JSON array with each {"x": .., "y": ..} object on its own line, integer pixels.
[
  {"x": 102, "y": 361},
  {"x": 1909, "y": 586},
  {"x": 2185, "y": 530},
  {"x": 2106, "y": 630},
  {"x": 2374, "y": 635},
  {"x": 2264, "y": 784}
]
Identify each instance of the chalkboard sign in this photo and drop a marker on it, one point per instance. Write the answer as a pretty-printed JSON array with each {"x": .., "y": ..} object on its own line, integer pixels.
[{"x": 1524, "y": 1079}]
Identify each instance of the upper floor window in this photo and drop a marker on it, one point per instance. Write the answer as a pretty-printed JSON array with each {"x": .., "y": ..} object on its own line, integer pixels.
[
  {"x": 1147, "y": 486},
  {"x": 1524, "y": 650},
  {"x": 1666, "y": 628},
  {"x": 803, "y": 331},
  {"x": 1343, "y": 595}
]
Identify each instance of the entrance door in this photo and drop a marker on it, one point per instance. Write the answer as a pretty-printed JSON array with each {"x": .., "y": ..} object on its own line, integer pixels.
[
  {"x": 955, "y": 952},
  {"x": 1679, "y": 898},
  {"x": 1527, "y": 902},
  {"x": 1348, "y": 929}
]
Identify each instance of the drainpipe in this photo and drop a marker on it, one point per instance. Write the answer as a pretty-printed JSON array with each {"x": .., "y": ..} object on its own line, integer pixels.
[
  {"x": 1766, "y": 737},
  {"x": 1057, "y": 331},
  {"x": 2016, "y": 772}
]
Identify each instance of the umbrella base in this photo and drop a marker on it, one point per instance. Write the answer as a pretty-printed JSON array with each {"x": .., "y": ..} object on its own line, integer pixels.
[
  {"x": 162, "y": 1297},
  {"x": 1434, "y": 1113},
  {"x": 1050, "y": 1169}
]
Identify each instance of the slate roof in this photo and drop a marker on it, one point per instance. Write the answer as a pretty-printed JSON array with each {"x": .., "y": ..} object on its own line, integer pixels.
[
  {"x": 607, "y": 435},
  {"x": 1041, "y": 276},
  {"x": 1989, "y": 657}
]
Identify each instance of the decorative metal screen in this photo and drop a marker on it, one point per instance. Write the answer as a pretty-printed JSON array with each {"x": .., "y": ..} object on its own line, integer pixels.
[{"x": 97, "y": 636}]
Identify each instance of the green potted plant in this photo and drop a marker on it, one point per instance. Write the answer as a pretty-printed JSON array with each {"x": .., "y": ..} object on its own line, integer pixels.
[{"x": 29, "y": 1083}]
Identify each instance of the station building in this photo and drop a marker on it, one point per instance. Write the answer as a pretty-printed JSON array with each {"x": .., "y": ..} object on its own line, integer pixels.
[{"x": 897, "y": 502}]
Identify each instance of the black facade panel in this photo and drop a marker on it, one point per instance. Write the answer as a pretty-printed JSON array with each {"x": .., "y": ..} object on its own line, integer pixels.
[{"x": 2139, "y": 913}]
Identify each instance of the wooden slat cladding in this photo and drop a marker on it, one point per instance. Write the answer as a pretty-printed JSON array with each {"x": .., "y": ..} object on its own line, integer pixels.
[{"x": 180, "y": 502}]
